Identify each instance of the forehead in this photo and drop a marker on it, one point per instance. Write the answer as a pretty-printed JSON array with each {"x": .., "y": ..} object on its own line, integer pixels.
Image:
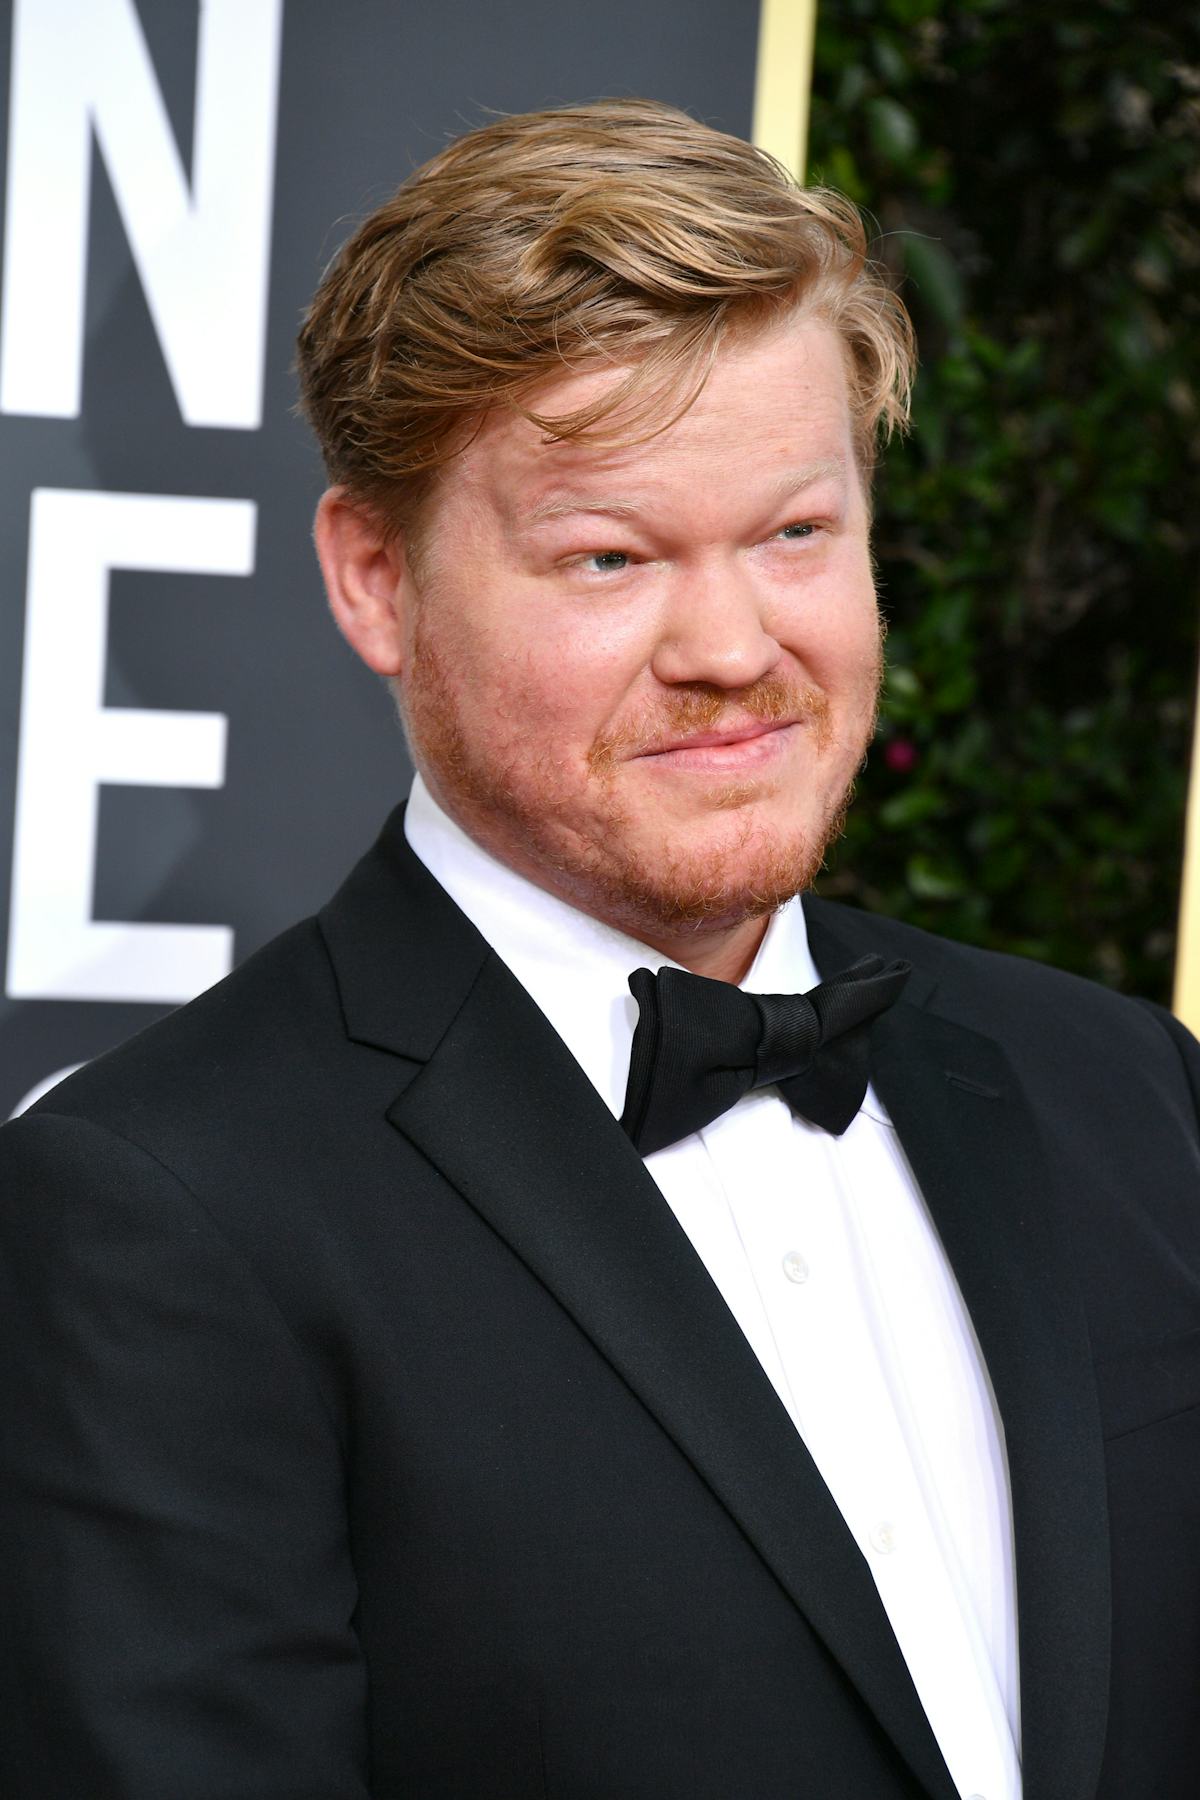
[{"x": 772, "y": 408}]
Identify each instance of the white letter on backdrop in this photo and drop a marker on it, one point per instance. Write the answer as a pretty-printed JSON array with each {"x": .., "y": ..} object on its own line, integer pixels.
[
  {"x": 71, "y": 742},
  {"x": 202, "y": 254}
]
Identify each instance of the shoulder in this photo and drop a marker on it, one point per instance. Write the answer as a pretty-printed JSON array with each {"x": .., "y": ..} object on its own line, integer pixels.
[
  {"x": 1011, "y": 997},
  {"x": 261, "y": 1040},
  {"x": 252, "y": 1006}
]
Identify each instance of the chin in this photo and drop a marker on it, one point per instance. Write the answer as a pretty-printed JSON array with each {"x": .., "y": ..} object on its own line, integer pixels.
[{"x": 701, "y": 881}]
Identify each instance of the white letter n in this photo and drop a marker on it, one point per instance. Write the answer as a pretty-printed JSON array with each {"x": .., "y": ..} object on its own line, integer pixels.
[{"x": 203, "y": 255}]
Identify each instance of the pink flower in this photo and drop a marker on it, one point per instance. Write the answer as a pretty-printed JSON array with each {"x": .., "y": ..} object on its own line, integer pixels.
[{"x": 900, "y": 754}]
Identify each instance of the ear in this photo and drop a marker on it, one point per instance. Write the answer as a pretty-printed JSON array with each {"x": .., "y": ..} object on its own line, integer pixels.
[{"x": 366, "y": 578}]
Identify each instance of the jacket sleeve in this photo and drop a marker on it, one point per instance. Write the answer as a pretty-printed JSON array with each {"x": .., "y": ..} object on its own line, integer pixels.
[{"x": 175, "y": 1584}]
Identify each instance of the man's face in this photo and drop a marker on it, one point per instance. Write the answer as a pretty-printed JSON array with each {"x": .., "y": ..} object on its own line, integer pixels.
[{"x": 645, "y": 677}]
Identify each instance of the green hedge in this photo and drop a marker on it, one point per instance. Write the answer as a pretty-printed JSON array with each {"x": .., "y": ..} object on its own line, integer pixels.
[{"x": 1034, "y": 175}]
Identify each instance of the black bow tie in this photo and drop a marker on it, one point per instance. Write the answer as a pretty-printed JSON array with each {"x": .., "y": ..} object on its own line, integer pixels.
[{"x": 700, "y": 1045}]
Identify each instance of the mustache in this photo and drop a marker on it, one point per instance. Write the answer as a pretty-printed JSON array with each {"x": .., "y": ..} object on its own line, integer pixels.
[{"x": 698, "y": 706}]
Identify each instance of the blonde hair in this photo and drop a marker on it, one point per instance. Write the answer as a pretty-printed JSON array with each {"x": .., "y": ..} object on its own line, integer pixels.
[{"x": 620, "y": 234}]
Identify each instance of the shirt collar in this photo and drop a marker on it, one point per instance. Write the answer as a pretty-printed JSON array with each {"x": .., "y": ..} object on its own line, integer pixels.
[{"x": 574, "y": 967}]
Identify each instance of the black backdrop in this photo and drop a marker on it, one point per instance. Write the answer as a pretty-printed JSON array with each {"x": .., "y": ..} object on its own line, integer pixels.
[{"x": 292, "y": 119}]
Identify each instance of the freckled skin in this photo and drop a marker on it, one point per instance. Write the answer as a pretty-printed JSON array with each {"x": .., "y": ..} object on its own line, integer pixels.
[{"x": 582, "y": 613}]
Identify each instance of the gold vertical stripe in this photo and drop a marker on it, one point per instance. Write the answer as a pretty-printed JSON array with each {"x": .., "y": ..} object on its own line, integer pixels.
[
  {"x": 783, "y": 80},
  {"x": 1187, "y": 962}
]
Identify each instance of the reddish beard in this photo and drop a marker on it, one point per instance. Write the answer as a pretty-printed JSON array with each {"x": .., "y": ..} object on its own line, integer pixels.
[{"x": 588, "y": 856}]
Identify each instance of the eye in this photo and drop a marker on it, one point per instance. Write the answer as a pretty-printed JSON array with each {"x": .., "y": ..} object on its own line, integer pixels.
[
  {"x": 796, "y": 533},
  {"x": 604, "y": 562}
]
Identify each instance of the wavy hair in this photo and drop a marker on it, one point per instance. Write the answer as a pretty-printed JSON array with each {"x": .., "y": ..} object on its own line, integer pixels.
[{"x": 621, "y": 234}]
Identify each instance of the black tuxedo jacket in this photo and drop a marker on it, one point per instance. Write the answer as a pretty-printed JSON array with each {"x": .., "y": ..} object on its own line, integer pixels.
[{"x": 371, "y": 1427}]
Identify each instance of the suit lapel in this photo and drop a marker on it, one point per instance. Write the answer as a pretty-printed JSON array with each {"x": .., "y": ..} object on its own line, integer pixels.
[
  {"x": 971, "y": 1136},
  {"x": 545, "y": 1163},
  {"x": 504, "y": 1113}
]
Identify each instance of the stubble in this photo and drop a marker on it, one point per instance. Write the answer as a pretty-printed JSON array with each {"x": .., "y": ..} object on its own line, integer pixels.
[{"x": 529, "y": 815}]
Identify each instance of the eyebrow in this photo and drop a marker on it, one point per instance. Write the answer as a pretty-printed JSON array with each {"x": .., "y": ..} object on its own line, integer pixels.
[
  {"x": 794, "y": 481},
  {"x": 562, "y": 504}
]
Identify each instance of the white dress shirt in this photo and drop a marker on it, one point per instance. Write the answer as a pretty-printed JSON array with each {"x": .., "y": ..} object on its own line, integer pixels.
[{"x": 825, "y": 1254}]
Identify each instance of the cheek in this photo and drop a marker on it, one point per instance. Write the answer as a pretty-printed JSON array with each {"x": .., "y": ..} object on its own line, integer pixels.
[
  {"x": 853, "y": 644},
  {"x": 829, "y": 620},
  {"x": 569, "y": 679}
]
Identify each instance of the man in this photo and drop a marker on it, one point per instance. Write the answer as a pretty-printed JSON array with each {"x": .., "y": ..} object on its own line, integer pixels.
[{"x": 436, "y": 1364}]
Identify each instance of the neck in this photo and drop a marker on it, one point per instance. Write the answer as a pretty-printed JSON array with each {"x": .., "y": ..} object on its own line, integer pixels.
[
  {"x": 723, "y": 951},
  {"x": 721, "y": 955}
]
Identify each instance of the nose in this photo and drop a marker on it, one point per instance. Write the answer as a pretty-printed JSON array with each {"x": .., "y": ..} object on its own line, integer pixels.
[{"x": 714, "y": 630}]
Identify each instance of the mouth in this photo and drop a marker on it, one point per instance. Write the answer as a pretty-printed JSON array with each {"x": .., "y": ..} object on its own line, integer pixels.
[{"x": 736, "y": 748}]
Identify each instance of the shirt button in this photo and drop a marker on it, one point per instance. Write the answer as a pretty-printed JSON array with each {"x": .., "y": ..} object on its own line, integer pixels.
[
  {"x": 883, "y": 1539},
  {"x": 795, "y": 1267}
]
